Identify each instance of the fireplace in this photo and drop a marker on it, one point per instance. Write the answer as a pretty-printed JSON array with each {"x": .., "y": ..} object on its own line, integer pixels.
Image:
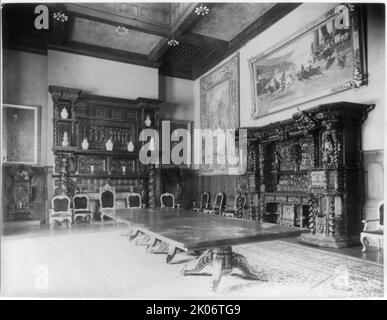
[{"x": 307, "y": 172}]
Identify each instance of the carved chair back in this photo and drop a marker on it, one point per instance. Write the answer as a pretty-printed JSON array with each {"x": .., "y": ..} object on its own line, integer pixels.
[
  {"x": 243, "y": 201},
  {"x": 204, "y": 200},
  {"x": 380, "y": 209},
  {"x": 219, "y": 201},
  {"x": 133, "y": 200},
  {"x": 80, "y": 203},
  {"x": 167, "y": 200},
  {"x": 60, "y": 204},
  {"x": 107, "y": 196}
]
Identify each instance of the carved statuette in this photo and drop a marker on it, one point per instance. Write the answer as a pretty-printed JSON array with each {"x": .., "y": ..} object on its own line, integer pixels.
[
  {"x": 148, "y": 121},
  {"x": 65, "y": 141}
]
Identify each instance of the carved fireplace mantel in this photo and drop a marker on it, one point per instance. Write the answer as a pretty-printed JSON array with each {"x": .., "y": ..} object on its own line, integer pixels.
[{"x": 307, "y": 171}]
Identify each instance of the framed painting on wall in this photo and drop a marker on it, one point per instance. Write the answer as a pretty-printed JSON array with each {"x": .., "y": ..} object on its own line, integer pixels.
[
  {"x": 21, "y": 126},
  {"x": 172, "y": 137},
  {"x": 219, "y": 108},
  {"x": 323, "y": 58}
]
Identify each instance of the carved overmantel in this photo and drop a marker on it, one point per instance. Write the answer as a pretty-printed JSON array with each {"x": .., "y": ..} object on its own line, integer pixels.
[
  {"x": 84, "y": 126},
  {"x": 307, "y": 171}
]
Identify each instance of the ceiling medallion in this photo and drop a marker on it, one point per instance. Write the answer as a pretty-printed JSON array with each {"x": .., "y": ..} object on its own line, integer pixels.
[
  {"x": 121, "y": 30},
  {"x": 173, "y": 43},
  {"x": 60, "y": 16},
  {"x": 202, "y": 10}
]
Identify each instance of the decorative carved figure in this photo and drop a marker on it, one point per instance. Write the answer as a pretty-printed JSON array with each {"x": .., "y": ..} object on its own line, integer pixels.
[{"x": 65, "y": 141}]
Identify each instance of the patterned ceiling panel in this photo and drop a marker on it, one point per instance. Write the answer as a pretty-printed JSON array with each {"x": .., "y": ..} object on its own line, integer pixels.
[
  {"x": 96, "y": 33},
  {"x": 227, "y": 20},
  {"x": 181, "y": 58},
  {"x": 156, "y": 13}
]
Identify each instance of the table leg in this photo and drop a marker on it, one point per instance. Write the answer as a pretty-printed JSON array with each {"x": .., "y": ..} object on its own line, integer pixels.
[
  {"x": 134, "y": 233},
  {"x": 240, "y": 262},
  {"x": 143, "y": 241},
  {"x": 152, "y": 242},
  {"x": 171, "y": 253},
  {"x": 162, "y": 247},
  {"x": 224, "y": 260},
  {"x": 204, "y": 260}
]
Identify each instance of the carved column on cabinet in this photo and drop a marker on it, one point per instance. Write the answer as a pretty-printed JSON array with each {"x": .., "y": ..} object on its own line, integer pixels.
[
  {"x": 252, "y": 167},
  {"x": 331, "y": 216},
  {"x": 261, "y": 181},
  {"x": 313, "y": 211},
  {"x": 152, "y": 186}
]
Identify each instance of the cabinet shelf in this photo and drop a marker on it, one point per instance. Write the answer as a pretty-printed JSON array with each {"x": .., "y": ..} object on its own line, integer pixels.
[
  {"x": 64, "y": 120},
  {"x": 79, "y": 151},
  {"x": 106, "y": 176}
]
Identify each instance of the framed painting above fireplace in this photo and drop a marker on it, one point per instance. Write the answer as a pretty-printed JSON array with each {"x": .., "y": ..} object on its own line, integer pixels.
[{"x": 323, "y": 58}]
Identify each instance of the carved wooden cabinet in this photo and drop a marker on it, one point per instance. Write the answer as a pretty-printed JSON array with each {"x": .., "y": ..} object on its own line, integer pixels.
[
  {"x": 82, "y": 134},
  {"x": 307, "y": 172}
]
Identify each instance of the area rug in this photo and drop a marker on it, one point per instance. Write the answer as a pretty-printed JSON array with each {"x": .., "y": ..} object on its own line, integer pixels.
[
  {"x": 317, "y": 273},
  {"x": 98, "y": 261}
]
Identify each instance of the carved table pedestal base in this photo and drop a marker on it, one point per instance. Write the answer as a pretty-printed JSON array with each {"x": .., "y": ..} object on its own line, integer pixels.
[{"x": 223, "y": 261}]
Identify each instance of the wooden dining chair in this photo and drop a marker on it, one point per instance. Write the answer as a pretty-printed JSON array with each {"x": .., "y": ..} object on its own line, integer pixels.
[
  {"x": 107, "y": 198},
  {"x": 167, "y": 200},
  {"x": 373, "y": 231},
  {"x": 81, "y": 208},
  {"x": 204, "y": 203},
  {"x": 60, "y": 211},
  {"x": 238, "y": 208},
  {"x": 217, "y": 207},
  {"x": 133, "y": 200}
]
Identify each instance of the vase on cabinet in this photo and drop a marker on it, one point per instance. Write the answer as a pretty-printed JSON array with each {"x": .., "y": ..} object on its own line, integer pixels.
[
  {"x": 64, "y": 113},
  {"x": 109, "y": 145},
  {"x": 130, "y": 146},
  {"x": 85, "y": 144}
]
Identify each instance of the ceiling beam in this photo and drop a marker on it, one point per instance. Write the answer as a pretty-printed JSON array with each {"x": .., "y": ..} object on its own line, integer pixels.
[
  {"x": 204, "y": 41},
  {"x": 184, "y": 23},
  {"x": 188, "y": 17},
  {"x": 103, "y": 53},
  {"x": 158, "y": 50},
  {"x": 276, "y": 13},
  {"x": 84, "y": 11}
]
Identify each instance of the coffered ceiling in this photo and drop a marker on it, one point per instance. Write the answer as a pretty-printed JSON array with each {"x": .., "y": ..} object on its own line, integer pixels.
[{"x": 139, "y": 32}]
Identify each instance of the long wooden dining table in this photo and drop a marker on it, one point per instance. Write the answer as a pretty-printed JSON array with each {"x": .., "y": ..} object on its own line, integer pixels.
[{"x": 212, "y": 235}]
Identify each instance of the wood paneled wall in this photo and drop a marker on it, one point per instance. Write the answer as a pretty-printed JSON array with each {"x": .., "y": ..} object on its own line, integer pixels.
[
  {"x": 214, "y": 184},
  {"x": 187, "y": 186}
]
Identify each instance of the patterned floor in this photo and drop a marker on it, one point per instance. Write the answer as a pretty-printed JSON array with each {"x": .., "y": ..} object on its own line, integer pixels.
[
  {"x": 320, "y": 273},
  {"x": 99, "y": 262}
]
